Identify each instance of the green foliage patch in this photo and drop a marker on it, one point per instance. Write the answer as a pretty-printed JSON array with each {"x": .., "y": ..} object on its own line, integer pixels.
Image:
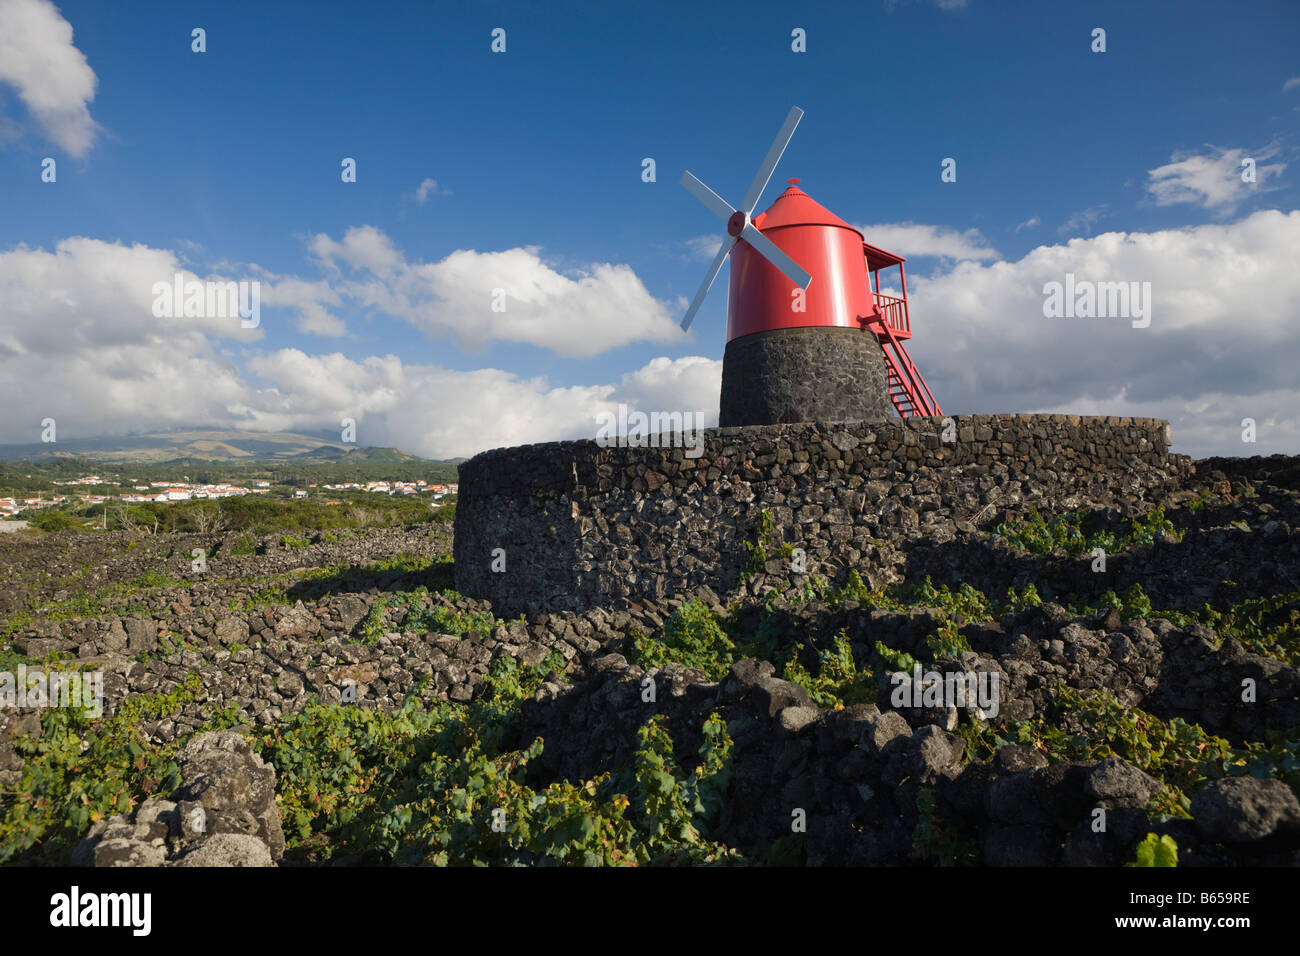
[
  {"x": 1156, "y": 851},
  {"x": 82, "y": 769},
  {"x": 838, "y": 682},
  {"x": 1183, "y": 756},
  {"x": 1073, "y": 532},
  {"x": 423, "y": 613},
  {"x": 692, "y": 637},
  {"x": 448, "y": 784},
  {"x": 766, "y": 535}
]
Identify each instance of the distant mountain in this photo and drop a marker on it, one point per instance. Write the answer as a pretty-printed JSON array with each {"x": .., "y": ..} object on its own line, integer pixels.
[{"x": 200, "y": 446}]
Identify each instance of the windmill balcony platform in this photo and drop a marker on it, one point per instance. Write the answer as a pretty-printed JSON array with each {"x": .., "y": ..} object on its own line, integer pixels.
[{"x": 894, "y": 310}]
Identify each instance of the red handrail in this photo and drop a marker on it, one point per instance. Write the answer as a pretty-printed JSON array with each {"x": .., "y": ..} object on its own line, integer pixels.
[
  {"x": 895, "y": 311},
  {"x": 919, "y": 393}
]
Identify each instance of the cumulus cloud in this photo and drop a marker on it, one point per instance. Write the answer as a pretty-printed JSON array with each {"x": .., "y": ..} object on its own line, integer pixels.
[
  {"x": 88, "y": 293},
  {"x": 513, "y": 295},
  {"x": 1211, "y": 180},
  {"x": 914, "y": 240},
  {"x": 363, "y": 248},
  {"x": 51, "y": 76},
  {"x": 311, "y": 300},
  {"x": 441, "y": 413},
  {"x": 79, "y": 343},
  {"x": 1222, "y": 345}
]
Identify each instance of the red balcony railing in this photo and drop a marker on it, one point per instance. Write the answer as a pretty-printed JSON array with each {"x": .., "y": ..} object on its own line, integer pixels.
[{"x": 894, "y": 309}]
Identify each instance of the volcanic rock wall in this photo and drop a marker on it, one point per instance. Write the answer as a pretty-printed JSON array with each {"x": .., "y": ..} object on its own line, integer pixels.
[{"x": 571, "y": 525}]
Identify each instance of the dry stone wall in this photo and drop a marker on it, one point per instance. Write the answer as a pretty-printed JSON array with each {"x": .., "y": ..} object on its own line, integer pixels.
[
  {"x": 571, "y": 525},
  {"x": 816, "y": 373}
]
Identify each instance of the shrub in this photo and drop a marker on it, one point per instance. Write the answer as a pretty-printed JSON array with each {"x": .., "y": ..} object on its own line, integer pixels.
[
  {"x": 838, "y": 682},
  {"x": 853, "y": 589},
  {"x": 1068, "y": 532},
  {"x": 693, "y": 638},
  {"x": 896, "y": 660},
  {"x": 758, "y": 547},
  {"x": 947, "y": 641},
  {"x": 424, "y": 614},
  {"x": 82, "y": 769},
  {"x": 51, "y": 519},
  {"x": 442, "y": 786},
  {"x": 1024, "y": 600},
  {"x": 1268, "y": 625}
]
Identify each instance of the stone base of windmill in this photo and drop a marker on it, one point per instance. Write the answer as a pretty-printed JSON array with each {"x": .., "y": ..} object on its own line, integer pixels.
[{"x": 822, "y": 374}]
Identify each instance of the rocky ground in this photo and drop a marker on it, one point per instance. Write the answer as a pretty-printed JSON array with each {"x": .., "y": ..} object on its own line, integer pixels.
[{"x": 367, "y": 618}]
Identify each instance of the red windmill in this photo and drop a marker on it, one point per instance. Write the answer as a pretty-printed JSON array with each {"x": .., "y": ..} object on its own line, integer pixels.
[{"x": 801, "y": 285}]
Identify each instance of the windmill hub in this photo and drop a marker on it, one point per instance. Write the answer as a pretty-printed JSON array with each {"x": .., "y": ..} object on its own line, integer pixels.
[{"x": 803, "y": 350}]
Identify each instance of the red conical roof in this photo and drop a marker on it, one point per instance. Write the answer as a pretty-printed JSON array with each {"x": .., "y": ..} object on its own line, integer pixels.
[{"x": 794, "y": 207}]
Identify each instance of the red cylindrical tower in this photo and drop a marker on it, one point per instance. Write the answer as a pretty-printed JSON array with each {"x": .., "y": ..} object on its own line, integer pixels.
[{"x": 763, "y": 298}]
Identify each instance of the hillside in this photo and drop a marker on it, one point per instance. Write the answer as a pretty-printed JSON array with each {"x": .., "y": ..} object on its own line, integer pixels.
[{"x": 204, "y": 446}]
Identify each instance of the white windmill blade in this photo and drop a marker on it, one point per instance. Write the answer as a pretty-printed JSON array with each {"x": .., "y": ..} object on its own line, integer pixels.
[
  {"x": 773, "y": 157},
  {"x": 773, "y": 254},
  {"x": 719, "y": 206},
  {"x": 714, "y": 269}
]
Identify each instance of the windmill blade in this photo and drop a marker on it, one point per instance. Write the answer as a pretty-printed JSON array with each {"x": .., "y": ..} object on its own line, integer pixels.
[
  {"x": 720, "y": 207},
  {"x": 773, "y": 157},
  {"x": 714, "y": 269},
  {"x": 773, "y": 254}
]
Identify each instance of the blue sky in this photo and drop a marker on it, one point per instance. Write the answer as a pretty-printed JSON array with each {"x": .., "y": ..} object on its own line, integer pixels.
[{"x": 226, "y": 164}]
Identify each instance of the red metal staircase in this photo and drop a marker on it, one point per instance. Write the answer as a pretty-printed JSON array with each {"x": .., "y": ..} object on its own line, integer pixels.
[{"x": 907, "y": 389}]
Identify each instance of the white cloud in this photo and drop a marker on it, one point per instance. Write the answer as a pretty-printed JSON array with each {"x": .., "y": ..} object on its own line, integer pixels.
[
  {"x": 52, "y": 77},
  {"x": 704, "y": 248},
  {"x": 1291, "y": 84},
  {"x": 363, "y": 248},
  {"x": 690, "y": 384},
  {"x": 597, "y": 308},
  {"x": 1212, "y": 180},
  {"x": 88, "y": 293},
  {"x": 1222, "y": 342},
  {"x": 442, "y": 413},
  {"x": 427, "y": 188},
  {"x": 914, "y": 240},
  {"x": 312, "y": 300},
  {"x": 1028, "y": 223},
  {"x": 79, "y": 343}
]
